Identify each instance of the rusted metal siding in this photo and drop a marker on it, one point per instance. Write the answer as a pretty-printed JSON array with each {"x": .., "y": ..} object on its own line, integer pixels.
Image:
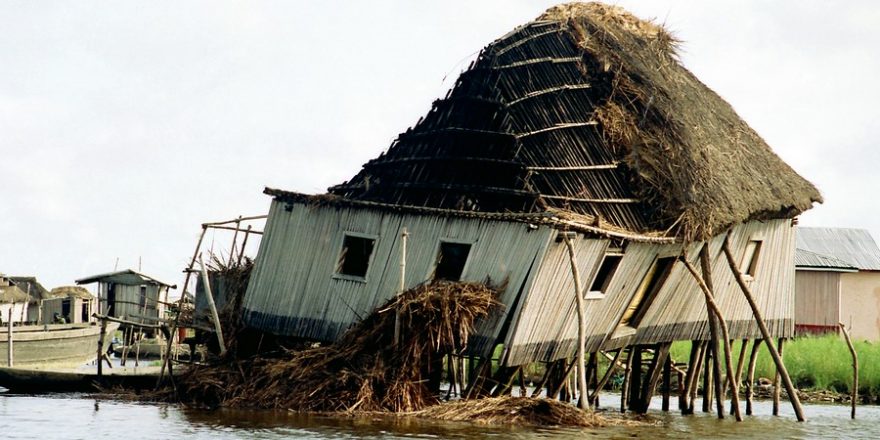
[
  {"x": 817, "y": 298},
  {"x": 294, "y": 289}
]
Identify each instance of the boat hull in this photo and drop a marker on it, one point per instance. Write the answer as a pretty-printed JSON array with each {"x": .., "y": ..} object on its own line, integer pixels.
[{"x": 54, "y": 346}]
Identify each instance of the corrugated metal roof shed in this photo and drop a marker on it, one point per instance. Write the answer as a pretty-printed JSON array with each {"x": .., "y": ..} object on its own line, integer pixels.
[
  {"x": 854, "y": 246},
  {"x": 806, "y": 260},
  {"x": 127, "y": 277}
]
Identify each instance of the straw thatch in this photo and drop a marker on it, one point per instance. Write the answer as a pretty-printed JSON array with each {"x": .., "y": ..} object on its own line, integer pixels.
[
  {"x": 12, "y": 294},
  {"x": 587, "y": 110},
  {"x": 31, "y": 286},
  {"x": 71, "y": 292},
  {"x": 364, "y": 370},
  {"x": 514, "y": 411}
]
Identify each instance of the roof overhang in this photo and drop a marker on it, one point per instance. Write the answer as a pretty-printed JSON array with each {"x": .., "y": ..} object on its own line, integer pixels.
[
  {"x": 552, "y": 218},
  {"x": 127, "y": 277}
]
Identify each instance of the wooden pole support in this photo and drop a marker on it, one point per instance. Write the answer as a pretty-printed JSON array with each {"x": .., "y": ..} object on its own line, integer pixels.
[
  {"x": 750, "y": 375},
  {"x": 101, "y": 347},
  {"x": 9, "y": 360},
  {"x": 402, "y": 287},
  {"x": 777, "y": 359},
  {"x": 710, "y": 303},
  {"x": 214, "y": 315},
  {"x": 582, "y": 325},
  {"x": 855, "y": 364}
]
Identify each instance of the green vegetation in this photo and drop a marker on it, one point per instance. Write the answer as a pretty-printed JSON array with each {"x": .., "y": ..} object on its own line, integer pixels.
[{"x": 814, "y": 363}]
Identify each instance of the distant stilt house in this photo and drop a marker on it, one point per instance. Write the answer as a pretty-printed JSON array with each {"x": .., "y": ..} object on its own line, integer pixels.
[
  {"x": 12, "y": 300},
  {"x": 581, "y": 124},
  {"x": 36, "y": 294},
  {"x": 131, "y": 295},
  {"x": 837, "y": 280},
  {"x": 74, "y": 304}
]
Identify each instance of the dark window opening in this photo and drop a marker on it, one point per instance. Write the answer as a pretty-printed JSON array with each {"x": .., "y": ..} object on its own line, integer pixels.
[
  {"x": 355, "y": 256},
  {"x": 650, "y": 286},
  {"x": 750, "y": 262},
  {"x": 111, "y": 299},
  {"x": 142, "y": 302},
  {"x": 451, "y": 260},
  {"x": 605, "y": 273}
]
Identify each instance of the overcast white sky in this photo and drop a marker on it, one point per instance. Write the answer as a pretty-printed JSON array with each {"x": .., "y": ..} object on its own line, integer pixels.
[{"x": 124, "y": 125}]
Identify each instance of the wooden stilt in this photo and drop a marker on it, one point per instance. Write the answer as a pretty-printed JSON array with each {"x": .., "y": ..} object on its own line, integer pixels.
[
  {"x": 635, "y": 378},
  {"x": 548, "y": 370},
  {"x": 698, "y": 371},
  {"x": 685, "y": 389},
  {"x": 750, "y": 375},
  {"x": 776, "y": 378},
  {"x": 855, "y": 363},
  {"x": 653, "y": 377},
  {"x": 582, "y": 324},
  {"x": 739, "y": 366},
  {"x": 720, "y": 385},
  {"x": 667, "y": 384},
  {"x": 612, "y": 367},
  {"x": 707, "y": 379},
  {"x": 100, "y": 344},
  {"x": 792, "y": 392},
  {"x": 627, "y": 374},
  {"x": 719, "y": 320}
]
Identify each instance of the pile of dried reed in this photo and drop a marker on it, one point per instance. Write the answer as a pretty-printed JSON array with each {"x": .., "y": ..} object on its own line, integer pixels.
[
  {"x": 364, "y": 370},
  {"x": 513, "y": 411}
]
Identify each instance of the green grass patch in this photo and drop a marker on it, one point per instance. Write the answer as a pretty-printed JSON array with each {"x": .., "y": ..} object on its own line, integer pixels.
[{"x": 813, "y": 362}]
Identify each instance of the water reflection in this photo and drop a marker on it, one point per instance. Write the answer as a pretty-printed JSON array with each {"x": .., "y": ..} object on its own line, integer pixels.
[{"x": 81, "y": 417}]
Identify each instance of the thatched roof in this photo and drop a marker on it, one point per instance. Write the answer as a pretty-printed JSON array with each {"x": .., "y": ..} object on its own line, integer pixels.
[
  {"x": 71, "y": 292},
  {"x": 12, "y": 294},
  {"x": 32, "y": 286},
  {"x": 587, "y": 110}
]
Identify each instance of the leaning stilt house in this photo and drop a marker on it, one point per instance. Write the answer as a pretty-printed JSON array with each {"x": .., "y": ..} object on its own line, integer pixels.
[{"x": 581, "y": 125}]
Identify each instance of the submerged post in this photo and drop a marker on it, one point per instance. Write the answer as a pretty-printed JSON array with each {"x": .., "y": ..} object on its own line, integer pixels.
[
  {"x": 765, "y": 333},
  {"x": 216, "y": 316},
  {"x": 9, "y": 338},
  {"x": 582, "y": 325},
  {"x": 855, "y": 385},
  {"x": 101, "y": 336},
  {"x": 397, "y": 317}
]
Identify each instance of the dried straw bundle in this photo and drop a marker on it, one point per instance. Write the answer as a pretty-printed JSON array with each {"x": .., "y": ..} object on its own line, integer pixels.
[
  {"x": 364, "y": 370},
  {"x": 514, "y": 411}
]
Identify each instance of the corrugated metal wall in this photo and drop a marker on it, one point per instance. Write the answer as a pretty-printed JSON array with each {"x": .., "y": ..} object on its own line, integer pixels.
[
  {"x": 817, "y": 298},
  {"x": 293, "y": 290},
  {"x": 547, "y": 322},
  {"x": 128, "y": 300}
]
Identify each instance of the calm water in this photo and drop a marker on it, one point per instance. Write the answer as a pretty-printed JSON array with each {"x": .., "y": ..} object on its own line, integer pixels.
[{"x": 80, "y": 417}]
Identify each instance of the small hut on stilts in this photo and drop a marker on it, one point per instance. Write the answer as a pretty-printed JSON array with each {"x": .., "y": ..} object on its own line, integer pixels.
[{"x": 580, "y": 167}]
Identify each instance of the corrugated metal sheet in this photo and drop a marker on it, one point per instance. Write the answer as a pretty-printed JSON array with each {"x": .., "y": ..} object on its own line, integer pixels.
[
  {"x": 817, "y": 298},
  {"x": 806, "y": 260},
  {"x": 854, "y": 246},
  {"x": 547, "y": 326},
  {"x": 294, "y": 290}
]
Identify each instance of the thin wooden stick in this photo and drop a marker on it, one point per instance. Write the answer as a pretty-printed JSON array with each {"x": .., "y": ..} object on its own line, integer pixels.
[
  {"x": 855, "y": 364},
  {"x": 776, "y": 380},
  {"x": 710, "y": 302},
  {"x": 667, "y": 384},
  {"x": 189, "y": 268},
  {"x": 548, "y": 369},
  {"x": 750, "y": 375},
  {"x": 747, "y": 292},
  {"x": 739, "y": 365},
  {"x": 627, "y": 372},
  {"x": 611, "y": 368},
  {"x": 216, "y": 316},
  {"x": 582, "y": 325}
]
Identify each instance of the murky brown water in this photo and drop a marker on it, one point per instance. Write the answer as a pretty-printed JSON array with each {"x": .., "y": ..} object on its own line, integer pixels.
[{"x": 78, "y": 417}]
